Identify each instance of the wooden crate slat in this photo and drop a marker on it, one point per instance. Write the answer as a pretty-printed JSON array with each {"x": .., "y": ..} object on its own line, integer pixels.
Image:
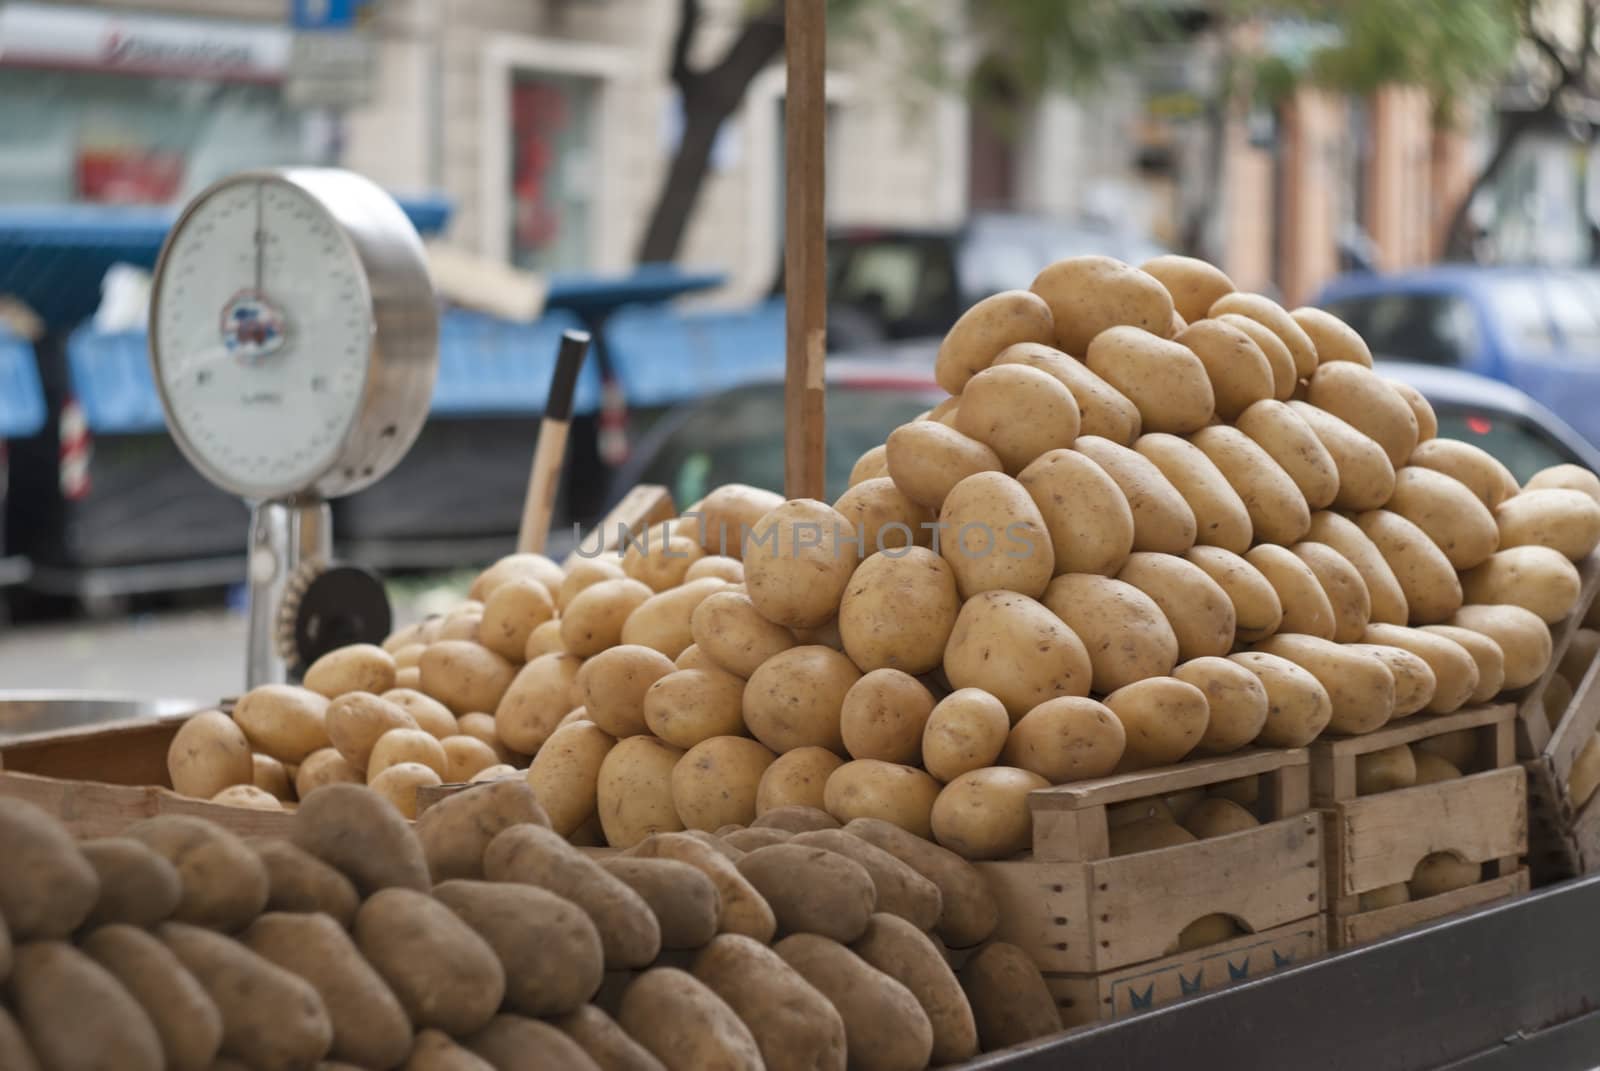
[
  {"x": 91, "y": 809},
  {"x": 1533, "y": 728},
  {"x": 1371, "y": 925},
  {"x": 1088, "y": 998},
  {"x": 1576, "y": 727},
  {"x": 121, "y": 753},
  {"x": 1382, "y": 837},
  {"x": 1411, "y": 729},
  {"x": 644, "y": 505},
  {"x": 1044, "y": 910},
  {"x": 1165, "y": 780}
]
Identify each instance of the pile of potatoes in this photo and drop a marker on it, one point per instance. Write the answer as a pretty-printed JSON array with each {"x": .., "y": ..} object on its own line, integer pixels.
[
  {"x": 479, "y": 939},
  {"x": 1156, "y": 517}
]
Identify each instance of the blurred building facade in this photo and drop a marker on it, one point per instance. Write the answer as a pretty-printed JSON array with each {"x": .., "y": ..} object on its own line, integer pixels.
[{"x": 550, "y": 124}]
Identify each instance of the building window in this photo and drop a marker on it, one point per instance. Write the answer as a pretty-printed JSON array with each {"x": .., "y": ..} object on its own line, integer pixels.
[{"x": 553, "y": 170}]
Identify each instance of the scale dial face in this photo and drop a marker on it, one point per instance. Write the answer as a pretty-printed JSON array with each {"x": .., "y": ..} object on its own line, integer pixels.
[{"x": 265, "y": 329}]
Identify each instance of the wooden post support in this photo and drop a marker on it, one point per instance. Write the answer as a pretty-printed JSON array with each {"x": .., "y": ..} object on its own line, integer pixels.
[
  {"x": 544, "y": 477},
  {"x": 805, "y": 247}
]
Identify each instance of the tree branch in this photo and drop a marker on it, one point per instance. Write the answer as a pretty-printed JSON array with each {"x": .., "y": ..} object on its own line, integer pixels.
[
  {"x": 758, "y": 44},
  {"x": 688, "y": 22}
]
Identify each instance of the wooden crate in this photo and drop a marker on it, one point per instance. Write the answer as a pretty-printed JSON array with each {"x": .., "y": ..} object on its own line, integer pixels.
[
  {"x": 1533, "y": 727},
  {"x": 100, "y": 779},
  {"x": 1093, "y": 922},
  {"x": 1377, "y": 840},
  {"x": 1564, "y": 837}
]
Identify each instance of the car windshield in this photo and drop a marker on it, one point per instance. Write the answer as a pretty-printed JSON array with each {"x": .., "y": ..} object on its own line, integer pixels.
[
  {"x": 1426, "y": 328},
  {"x": 737, "y": 437},
  {"x": 1550, "y": 314},
  {"x": 1519, "y": 443},
  {"x": 896, "y": 279}
]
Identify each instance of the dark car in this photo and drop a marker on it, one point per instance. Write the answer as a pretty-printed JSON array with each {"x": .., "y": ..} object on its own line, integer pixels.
[
  {"x": 895, "y": 283},
  {"x": 1537, "y": 329}
]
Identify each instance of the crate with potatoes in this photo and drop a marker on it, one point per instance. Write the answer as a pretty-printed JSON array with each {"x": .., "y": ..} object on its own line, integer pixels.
[
  {"x": 1162, "y": 537},
  {"x": 1426, "y": 817}
]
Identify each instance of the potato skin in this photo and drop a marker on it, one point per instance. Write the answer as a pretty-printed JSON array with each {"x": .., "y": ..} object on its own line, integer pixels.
[
  {"x": 968, "y": 913},
  {"x": 634, "y": 790},
  {"x": 1071, "y": 738},
  {"x": 357, "y": 833},
  {"x": 898, "y": 609},
  {"x": 987, "y": 328},
  {"x": 76, "y": 1014},
  {"x": 868, "y": 787},
  {"x": 184, "y": 1017},
  {"x": 926, "y": 459},
  {"x": 727, "y": 626},
  {"x": 208, "y": 753},
  {"x": 606, "y": 1043},
  {"x": 1016, "y": 650},
  {"x": 1538, "y": 579},
  {"x": 885, "y": 1027},
  {"x": 1306, "y": 608},
  {"x": 1451, "y": 515},
  {"x": 1386, "y": 600},
  {"x": 359, "y": 667},
  {"x": 1257, "y": 613},
  {"x": 1007, "y": 994},
  {"x": 1334, "y": 339},
  {"x": 1289, "y": 441},
  {"x": 137, "y": 886},
  {"x": 797, "y": 777},
  {"x": 512, "y": 1042},
  {"x": 565, "y": 774},
  {"x": 1164, "y": 379},
  {"x": 435, "y": 1051},
  {"x": 1520, "y": 634},
  {"x": 1162, "y": 520},
  {"x": 457, "y": 830},
  {"x": 464, "y": 676},
  {"x": 1221, "y": 519},
  {"x": 1284, "y": 377},
  {"x": 595, "y": 618},
  {"x": 1194, "y": 284},
  {"x": 300, "y": 882},
  {"x": 370, "y": 1029},
  {"x": 1366, "y": 474},
  {"x": 685, "y": 1025},
  {"x": 443, "y": 973},
  {"x": 740, "y": 908},
  {"x": 794, "y": 699},
  {"x": 1455, "y": 673},
  {"x": 1360, "y": 686},
  {"x": 1102, "y": 409},
  {"x": 884, "y": 714},
  {"x": 903, "y": 952},
  {"x": 611, "y": 685},
  {"x": 1557, "y": 517},
  {"x": 1239, "y": 372},
  {"x": 1018, "y": 412},
  {"x": 1484, "y": 650},
  {"x": 792, "y": 1023},
  {"x": 812, "y": 890},
  {"x": 1298, "y": 706},
  {"x": 983, "y": 814},
  {"x": 548, "y": 947},
  {"x": 270, "y": 1017},
  {"x": 795, "y": 570},
  {"x": 1477, "y": 469},
  {"x": 1088, "y": 294},
  {"x": 1124, "y": 631},
  {"x": 1357, "y": 396},
  {"x": 1271, "y": 315},
  {"x": 1278, "y": 510},
  {"x": 540, "y": 695},
  {"x": 1236, "y": 703},
  {"x": 684, "y": 900},
  {"x": 966, "y": 730},
  {"x": 224, "y": 883},
  {"x": 1084, "y": 510},
  {"x": 283, "y": 721},
  {"x": 689, "y": 706},
  {"x": 630, "y": 936},
  {"x": 1431, "y": 587},
  {"x": 715, "y": 782},
  {"x": 1344, "y": 587},
  {"x": 900, "y": 890},
  {"x": 1200, "y": 612}
]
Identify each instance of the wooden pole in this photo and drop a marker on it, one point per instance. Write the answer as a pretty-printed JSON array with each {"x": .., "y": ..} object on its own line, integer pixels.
[
  {"x": 544, "y": 477},
  {"x": 805, "y": 247}
]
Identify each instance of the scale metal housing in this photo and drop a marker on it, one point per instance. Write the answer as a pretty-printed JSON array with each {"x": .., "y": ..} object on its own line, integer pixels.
[{"x": 294, "y": 340}]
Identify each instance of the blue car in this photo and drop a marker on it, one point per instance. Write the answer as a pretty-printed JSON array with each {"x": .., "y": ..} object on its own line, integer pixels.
[{"x": 1537, "y": 329}]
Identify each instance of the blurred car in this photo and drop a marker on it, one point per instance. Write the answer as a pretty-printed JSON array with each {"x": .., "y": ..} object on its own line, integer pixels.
[
  {"x": 736, "y": 436},
  {"x": 894, "y": 283},
  {"x": 1535, "y": 328}
]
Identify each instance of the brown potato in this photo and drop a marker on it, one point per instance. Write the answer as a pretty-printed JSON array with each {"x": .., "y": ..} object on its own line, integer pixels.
[
  {"x": 543, "y": 692},
  {"x": 1482, "y": 473},
  {"x": 548, "y": 947},
  {"x": 137, "y": 886},
  {"x": 1067, "y": 739},
  {"x": 1200, "y": 612},
  {"x": 534, "y": 566},
  {"x": 406, "y": 746},
  {"x": 1555, "y": 517},
  {"x": 1521, "y": 636},
  {"x": 1194, "y": 284},
  {"x": 1451, "y": 515},
  {"x": 1429, "y": 583},
  {"x": 885, "y": 1027},
  {"x": 1009, "y": 1000},
  {"x": 1484, "y": 651},
  {"x": 926, "y": 459},
  {"x": 634, "y": 790},
  {"x": 793, "y": 1024},
  {"x": 606, "y": 1043},
  {"x": 272, "y": 777},
  {"x": 1284, "y": 377},
  {"x": 357, "y": 833},
  {"x": 1088, "y": 294},
  {"x": 1454, "y": 671},
  {"x": 565, "y": 775},
  {"x": 512, "y": 1042},
  {"x": 184, "y": 1016},
  {"x": 1236, "y": 702},
  {"x": 688, "y": 706},
  {"x": 456, "y": 831},
  {"x": 796, "y": 778},
  {"x": 741, "y": 909},
  {"x": 434, "y": 1051},
  {"x": 443, "y": 973},
  {"x": 359, "y": 667},
  {"x": 685, "y": 1025},
  {"x": 795, "y": 698},
  {"x": 1306, "y": 608},
  {"x": 1538, "y": 579},
  {"x": 357, "y": 720},
  {"x": 326, "y": 767},
  {"x": 1414, "y": 682},
  {"x": 900, "y": 889},
  {"x": 1334, "y": 339},
  {"x": 1163, "y": 719},
  {"x": 904, "y": 953},
  {"x": 1364, "y": 401},
  {"x": 224, "y": 883},
  {"x": 883, "y": 517},
  {"x": 1162, "y": 520},
  {"x": 300, "y": 882},
  {"x": 966, "y": 730},
  {"x": 400, "y": 783},
  {"x": 611, "y": 686},
  {"x": 1344, "y": 587},
  {"x": 431, "y": 716},
  {"x": 1278, "y": 511},
  {"x": 1360, "y": 686},
  {"x": 76, "y": 1014},
  {"x": 968, "y": 913},
  {"x": 1018, "y": 412},
  {"x": 683, "y": 898},
  {"x": 714, "y": 784}
]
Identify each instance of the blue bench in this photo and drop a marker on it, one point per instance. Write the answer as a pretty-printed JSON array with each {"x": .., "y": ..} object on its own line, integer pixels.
[{"x": 664, "y": 356}]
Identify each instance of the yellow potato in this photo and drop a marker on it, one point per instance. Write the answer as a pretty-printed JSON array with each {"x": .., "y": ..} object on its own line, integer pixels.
[
  {"x": 899, "y": 608},
  {"x": 1486, "y": 653},
  {"x": 1385, "y": 770},
  {"x": 795, "y": 698},
  {"x": 1359, "y": 685},
  {"x": 882, "y": 517},
  {"x": 1535, "y": 578},
  {"x": 1016, "y": 650},
  {"x": 565, "y": 774},
  {"x": 1217, "y": 817},
  {"x": 694, "y": 658},
  {"x": 883, "y": 716},
  {"x": 583, "y": 572},
  {"x": 1221, "y": 519},
  {"x": 1344, "y": 587},
  {"x": 1454, "y": 671},
  {"x": 1102, "y": 409},
  {"x": 595, "y": 618},
  {"x": 1431, "y": 769},
  {"x": 545, "y": 639},
  {"x": 1239, "y": 373},
  {"x": 728, "y": 514},
  {"x": 1195, "y": 285},
  {"x": 430, "y": 715},
  {"x": 1448, "y": 512},
  {"x": 1306, "y": 608},
  {"x": 926, "y": 459},
  {"x": 545, "y": 691},
  {"x": 966, "y": 730},
  {"x": 465, "y": 756},
  {"x": 1522, "y": 637},
  {"x": 1279, "y": 360},
  {"x": 1072, "y": 738},
  {"x": 983, "y": 814},
  {"x": 406, "y": 746},
  {"x": 515, "y": 609},
  {"x": 1164, "y": 379},
  {"x": 1278, "y": 511},
  {"x": 690, "y": 705},
  {"x": 326, "y": 767},
  {"x": 1018, "y": 412},
  {"x": 1200, "y": 612},
  {"x": 1585, "y": 777},
  {"x": 462, "y": 625},
  {"x": 1554, "y": 517},
  {"x": 1571, "y": 477},
  {"x": 730, "y": 630},
  {"x": 1481, "y": 472},
  {"x": 1414, "y": 682},
  {"x": 1270, "y": 314},
  {"x": 534, "y": 566},
  {"x": 1386, "y": 601},
  {"x": 1148, "y": 834},
  {"x": 1421, "y": 408},
  {"x": 1556, "y": 700},
  {"x": 1366, "y": 475},
  {"x": 868, "y": 788},
  {"x": 1298, "y": 706},
  {"x": 715, "y": 782},
  {"x": 993, "y": 537},
  {"x": 283, "y": 721},
  {"x": 660, "y": 562},
  {"x": 1164, "y": 719},
  {"x": 870, "y": 465},
  {"x": 359, "y": 667},
  {"x": 715, "y": 565},
  {"x": 1364, "y": 401},
  {"x": 1162, "y": 520},
  {"x": 1086, "y": 514},
  {"x": 985, "y": 329},
  {"x": 1289, "y": 441},
  {"x": 1087, "y": 295},
  {"x": 662, "y": 622},
  {"x": 1430, "y": 585},
  {"x": 1334, "y": 339},
  {"x": 634, "y": 791},
  {"x": 1442, "y": 872},
  {"x": 208, "y": 753},
  {"x": 1235, "y": 699},
  {"x": 795, "y": 568},
  {"x": 796, "y": 779},
  {"x": 611, "y": 686},
  {"x": 399, "y": 783},
  {"x": 1256, "y": 609},
  {"x": 1123, "y": 629}
]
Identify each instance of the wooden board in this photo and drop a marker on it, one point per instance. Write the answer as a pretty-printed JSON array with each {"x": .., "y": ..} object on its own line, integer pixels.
[
  {"x": 1115, "y": 994},
  {"x": 96, "y": 809},
  {"x": 1533, "y": 728},
  {"x": 1371, "y": 925},
  {"x": 1092, "y": 916},
  {"x": 644, "y": 505}
]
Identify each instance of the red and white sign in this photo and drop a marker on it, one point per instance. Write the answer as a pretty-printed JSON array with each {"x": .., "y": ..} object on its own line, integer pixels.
[{"x": 39, "y": 35}]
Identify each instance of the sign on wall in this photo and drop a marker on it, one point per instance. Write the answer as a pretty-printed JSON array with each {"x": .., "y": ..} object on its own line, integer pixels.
[{"x": 40, "y": 35}]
